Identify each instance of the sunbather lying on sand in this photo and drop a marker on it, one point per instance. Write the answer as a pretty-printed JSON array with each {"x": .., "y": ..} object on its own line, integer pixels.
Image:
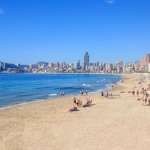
[
  {"x": 88, "y": 103},
  {"x": 73, "y": 109}
]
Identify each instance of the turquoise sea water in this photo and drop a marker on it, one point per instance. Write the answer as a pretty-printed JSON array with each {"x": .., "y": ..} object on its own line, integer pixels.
[{"x": 21, "y": 88}]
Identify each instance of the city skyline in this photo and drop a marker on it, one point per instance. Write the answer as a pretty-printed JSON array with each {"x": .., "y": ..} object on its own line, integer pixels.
[
  {"x": 83, "y": 61},
  {"x": 51, "y": 31},
  {"x": 142, "y": 65}
]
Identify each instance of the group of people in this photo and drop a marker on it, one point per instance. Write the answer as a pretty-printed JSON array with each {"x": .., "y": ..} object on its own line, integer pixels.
[
  {"x": 62, "y": 94},
  {"x": 141, "y": 92},
  {"x": 78, "y": 103},
  {"x": 106, "y": 94},
  {"x": 142, "y": 95},
  {"x": 82, "y": 92}
]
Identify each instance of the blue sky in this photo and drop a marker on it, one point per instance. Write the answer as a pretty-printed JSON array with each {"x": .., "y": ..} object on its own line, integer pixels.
[{"x": 63, "y": 30}]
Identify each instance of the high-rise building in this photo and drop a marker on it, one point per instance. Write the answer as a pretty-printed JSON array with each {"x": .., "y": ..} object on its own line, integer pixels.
[
  {"x": 78, "y": 65},
  {"x": 97, "y": 64},
  {"x": 147, "y": 58},
  {"x": 145, "y": 62},
  {"x": 57, "y": 65},
  {"x": 86, "y": 60}
]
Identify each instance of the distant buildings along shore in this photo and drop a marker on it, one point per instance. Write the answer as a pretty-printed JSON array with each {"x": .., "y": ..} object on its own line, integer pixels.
[{"x": 143, "y": 65}]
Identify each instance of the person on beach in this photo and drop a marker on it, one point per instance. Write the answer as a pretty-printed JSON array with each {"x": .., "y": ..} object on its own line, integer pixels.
[
  {"x": 74, "y": 100},
  {"x": 88, "y": 103},
  {"x": 107, "y": 94},
  {"x": 137, "y": 93},
  {"x": 138, "y": 99},
  {"x": 111, "y": 95},
  {"x": 102, "y": 93},
  {"x": 74, "y": 108},
  {"x": 86, "y": 92},
  {"x": 143, "y": 90},
  {"x": 79, "y": 103},
  {"x": 149, "y": 101},
  {"x": 145, "y": 99},
  {"x": 133, "y": 92},
  {"x": 82, "y": 92}
]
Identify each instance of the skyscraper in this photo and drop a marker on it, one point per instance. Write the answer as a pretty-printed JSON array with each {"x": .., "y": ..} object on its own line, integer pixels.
[
  {"x": 145, "y": 62},
  {"x": 86, "y": 60},
  {"x": 78, "y": 65}
]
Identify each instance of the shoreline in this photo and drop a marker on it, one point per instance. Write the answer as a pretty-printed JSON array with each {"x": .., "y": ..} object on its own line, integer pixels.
[
  {"x": 53, "y": 98},
  {"x": 64, "y": 73},
  {"x": 48, "y": 99}
]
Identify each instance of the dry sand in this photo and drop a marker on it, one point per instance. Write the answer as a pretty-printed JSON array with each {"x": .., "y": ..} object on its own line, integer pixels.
[{"x": 120, "y": 123}]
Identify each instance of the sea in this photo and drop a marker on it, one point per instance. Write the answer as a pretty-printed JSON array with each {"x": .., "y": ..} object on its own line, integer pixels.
[{"x": 24, "y": 88}]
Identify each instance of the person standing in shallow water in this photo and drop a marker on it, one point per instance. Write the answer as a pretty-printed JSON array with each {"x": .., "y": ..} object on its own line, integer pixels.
[
  {"x": 86, "y": 92},
  {"x": 81, "y": 92}
]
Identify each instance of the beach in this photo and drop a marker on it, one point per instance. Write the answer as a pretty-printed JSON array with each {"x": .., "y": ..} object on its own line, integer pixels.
[{"x": 118, "y": 123}]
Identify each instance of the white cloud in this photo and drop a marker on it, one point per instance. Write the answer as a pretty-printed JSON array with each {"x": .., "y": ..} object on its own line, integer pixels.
[
  {"x": 110, "y": 1},
  {"x": 1, "y": 11}
]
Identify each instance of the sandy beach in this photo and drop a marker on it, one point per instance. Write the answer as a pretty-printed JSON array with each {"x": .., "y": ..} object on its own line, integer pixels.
[{"x": 118, "y": 123}]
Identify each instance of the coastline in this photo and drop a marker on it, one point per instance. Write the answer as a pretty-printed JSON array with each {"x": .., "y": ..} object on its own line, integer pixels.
[
  {"x": 67, "y": 73},
  {"x": 113, "y": 124},
  {"x": 54, "y": 98}
]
